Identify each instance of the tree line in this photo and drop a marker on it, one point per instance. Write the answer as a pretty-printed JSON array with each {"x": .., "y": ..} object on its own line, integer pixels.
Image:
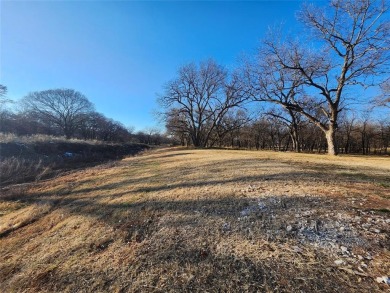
[
  {"x": 305, "y": 85},
  {"x": 66, "y": 112},
  {"x": 355, "y": 135},
  {"x": 306, "y": 93}
]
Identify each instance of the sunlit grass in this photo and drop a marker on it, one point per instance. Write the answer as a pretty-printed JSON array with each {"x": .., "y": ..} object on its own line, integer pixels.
[{"x": 190, "y": 220}]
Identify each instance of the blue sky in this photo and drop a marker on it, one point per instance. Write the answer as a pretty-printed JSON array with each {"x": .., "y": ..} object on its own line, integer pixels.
[{"x": 120, "y": 53}]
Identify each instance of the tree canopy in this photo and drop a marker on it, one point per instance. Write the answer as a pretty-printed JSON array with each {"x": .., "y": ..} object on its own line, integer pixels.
[{"x": 62, "y": 107}]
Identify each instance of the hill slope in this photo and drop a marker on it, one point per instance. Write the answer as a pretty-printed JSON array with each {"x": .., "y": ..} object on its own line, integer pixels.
[
  {"x": 201, "y": 220},
  {"x": 27, "y": 159}
]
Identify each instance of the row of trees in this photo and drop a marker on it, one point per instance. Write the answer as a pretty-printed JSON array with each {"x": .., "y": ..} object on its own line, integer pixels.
[
  {"x": 355, "y": 135},
  {"x": 66, "y": 112},
  {"x": 308, "y": 85}
]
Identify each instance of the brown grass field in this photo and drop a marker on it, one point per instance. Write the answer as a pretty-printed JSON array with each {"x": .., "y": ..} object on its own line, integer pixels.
[{"x": 183, "y": 220}]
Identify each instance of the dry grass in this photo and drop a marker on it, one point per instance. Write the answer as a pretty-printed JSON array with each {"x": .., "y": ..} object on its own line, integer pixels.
[
  {"x": 34, "y": 138},
  {"x": 201, "y": 220},
  {"x": 33, "y": 158}
]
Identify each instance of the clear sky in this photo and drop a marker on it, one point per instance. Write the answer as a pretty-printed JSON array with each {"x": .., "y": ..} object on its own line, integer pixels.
[{"x": 120, "y": 53}]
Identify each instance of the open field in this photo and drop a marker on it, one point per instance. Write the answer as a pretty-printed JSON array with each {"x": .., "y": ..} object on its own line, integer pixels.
[{"x": 178, "y": 220}]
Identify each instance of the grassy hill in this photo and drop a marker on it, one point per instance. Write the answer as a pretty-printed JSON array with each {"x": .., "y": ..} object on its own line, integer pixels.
[{"x": 179, "y": 220}]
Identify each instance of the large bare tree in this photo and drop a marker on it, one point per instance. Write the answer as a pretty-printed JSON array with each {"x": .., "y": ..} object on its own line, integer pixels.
[
  {"x": 351, "y": 49},
  {"x": 65, "y": 108},
  {"x": 201, "y": 96}
]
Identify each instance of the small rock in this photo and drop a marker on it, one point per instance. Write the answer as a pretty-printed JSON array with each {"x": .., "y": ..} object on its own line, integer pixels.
[
  {"x": 383, "y": 279},
  {"x": 339, "y": 262},
  {"x": 245, "y": 212},
  {"x": 344, "y": 249},
  {"x": 262, "y": 206},
  {"x": 341, "y": 229},
  {"x": 360, "y": 257},
  {"x": 297, "y": 249},
  {"x": 376, "y": 231},
  {"x": 288, "y": 228},
  {"x": 226, "y": 227}
]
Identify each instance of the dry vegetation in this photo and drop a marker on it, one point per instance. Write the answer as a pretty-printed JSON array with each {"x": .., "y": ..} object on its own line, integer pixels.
[
  {"x": 201, "y": 220},
  {"x": 36, "y": 157}
]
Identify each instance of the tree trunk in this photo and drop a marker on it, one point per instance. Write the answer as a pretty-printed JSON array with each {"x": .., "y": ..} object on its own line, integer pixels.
[
  {"x": 295, "y": 140},
  {"x": 68, "y": 133},
  {"x": 331, "y": 141}
]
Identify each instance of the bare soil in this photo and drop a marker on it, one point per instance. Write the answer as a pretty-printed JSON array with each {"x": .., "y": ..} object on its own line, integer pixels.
[{"x": 180, "y": 220}]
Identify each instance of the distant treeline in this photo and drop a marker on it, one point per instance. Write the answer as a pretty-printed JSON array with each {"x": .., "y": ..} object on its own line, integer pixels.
[
  {"x": 66, "y": 112},
  {"x": 363, "y": 135}
]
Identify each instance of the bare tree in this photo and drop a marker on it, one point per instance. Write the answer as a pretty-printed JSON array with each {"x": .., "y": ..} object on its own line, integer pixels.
[
  {"x": 383, "y": 100},
  {"x": 347, "y": 126},
  {"x": 292, "y": 120},
  {"x": 267, "y": 80},
  {"x": 354, "y": 48},
  {"x": 3, "y": 90},
  {"x": 176, "y": 125},
  {"x": 3, "y": 100},
  {"x": 65, "y": 108},
  {"x": 384, "y": 129},
  {"x": 231, "y": 123},
  {"x": 201, "y": 95},
  {"x": 4, "y": 113}
]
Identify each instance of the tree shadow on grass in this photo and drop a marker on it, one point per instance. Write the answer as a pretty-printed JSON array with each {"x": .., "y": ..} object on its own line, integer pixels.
[
  {"x": 269, "y": 213},
  {"x": 185, "y": 257},
  {"x": 193, "y": 270},
  {"x": 174, "y": 155}
]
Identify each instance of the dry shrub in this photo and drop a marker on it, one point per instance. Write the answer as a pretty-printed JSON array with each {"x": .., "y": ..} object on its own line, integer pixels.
[
  {"x": 16, "y": 170},
  {"x": 36, "y": 157},
  {"x": 10, "y": 137}
]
